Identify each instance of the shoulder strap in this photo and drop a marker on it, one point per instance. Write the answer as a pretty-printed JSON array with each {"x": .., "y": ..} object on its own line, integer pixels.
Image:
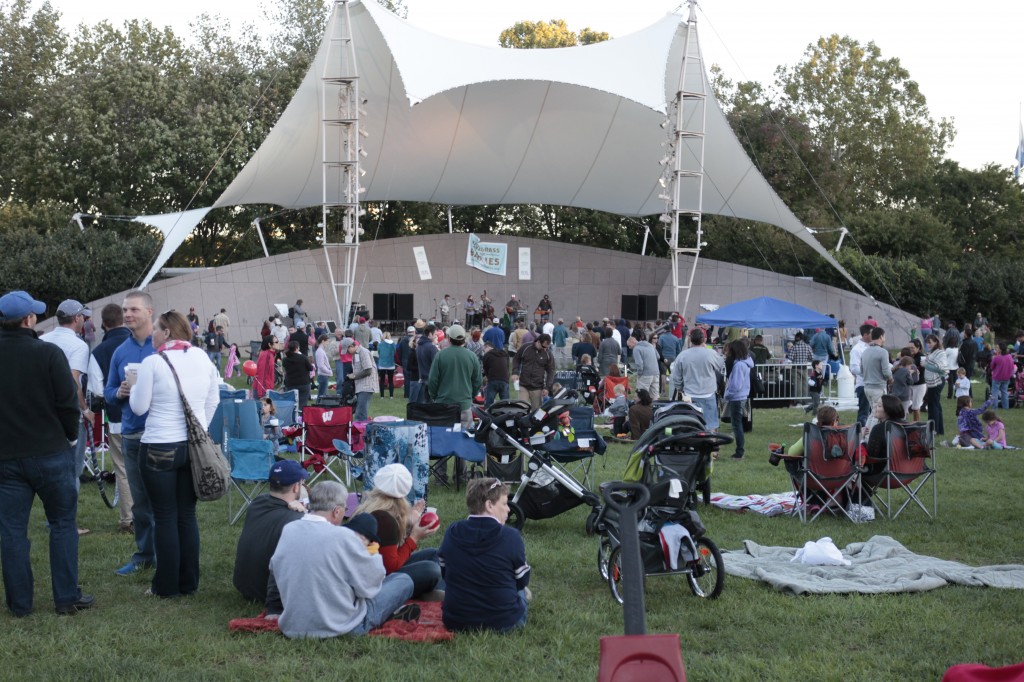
[
  {"x": 181, "y": 393},
  {"x": 190, "y": 418}
]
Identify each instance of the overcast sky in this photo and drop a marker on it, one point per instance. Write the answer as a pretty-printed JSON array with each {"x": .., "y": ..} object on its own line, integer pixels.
[{"x": 966, "y": 57}]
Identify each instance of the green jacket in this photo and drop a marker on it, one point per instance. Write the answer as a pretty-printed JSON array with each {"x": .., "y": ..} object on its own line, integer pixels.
[{"x": 455, "y": 377}]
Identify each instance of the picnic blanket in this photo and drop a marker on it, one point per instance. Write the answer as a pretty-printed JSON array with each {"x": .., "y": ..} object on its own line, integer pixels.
[
  {"x": 772, "y": 504},
  {"x": 427, "y": 628},
  {"x": 880, "y": 565}
]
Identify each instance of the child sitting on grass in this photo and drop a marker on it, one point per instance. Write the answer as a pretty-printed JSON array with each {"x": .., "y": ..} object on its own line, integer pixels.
[
  {"x": 995, "y": 431},
  {"x": 967, "y": 422}
]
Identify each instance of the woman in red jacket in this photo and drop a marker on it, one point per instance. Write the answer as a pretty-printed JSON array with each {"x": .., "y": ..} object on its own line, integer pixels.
[{"x": 266, "y": 364}]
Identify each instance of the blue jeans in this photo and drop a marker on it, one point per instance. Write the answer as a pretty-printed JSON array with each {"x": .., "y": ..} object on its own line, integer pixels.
[
  {"x": 362, "y": 411},
  {"x": 933, "y": 403},
  {"x": 339, "y": 376},
  {"x": 142, "y": 511},
  {"x": 394, "y": 591},
  {"x": 521, "y": 623},
  {"x": 1001, "y": 391},
  {"x": 321, "y": 385},
  {"x": 422, "y": 566},
  {"x": 51, "y": 477},
  {"x": 215, "y": 358},
  {"x": 709, "y": 406},
  {"x": 863, "y": 409},
  {"x": 304, "y": 395},
  {"x": 417, "y": 392},
  {"x": 495, "y": 389},
  {"x": 736, "y": 417},
  {"x": 167, "y": 475}
]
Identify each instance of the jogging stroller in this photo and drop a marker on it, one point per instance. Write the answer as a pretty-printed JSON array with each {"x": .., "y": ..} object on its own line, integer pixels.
[
  {"x": 511, "y": 431},
  {"x": 587, "y": 380},
  {"x": 672, "y": 460}
]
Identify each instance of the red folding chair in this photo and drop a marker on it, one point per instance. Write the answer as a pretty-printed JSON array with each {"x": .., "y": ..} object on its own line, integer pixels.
[
  {"x": 830, "y": 471},
  {"x": 321, "y": 426},
  {"x": 909, "y": 464}
]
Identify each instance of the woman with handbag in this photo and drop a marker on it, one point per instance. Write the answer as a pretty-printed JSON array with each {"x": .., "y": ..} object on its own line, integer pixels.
[{"x": 176, "y": 371}]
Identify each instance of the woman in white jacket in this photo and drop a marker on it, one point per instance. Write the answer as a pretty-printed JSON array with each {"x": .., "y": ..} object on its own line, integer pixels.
[{"x": 165, "y": 464}]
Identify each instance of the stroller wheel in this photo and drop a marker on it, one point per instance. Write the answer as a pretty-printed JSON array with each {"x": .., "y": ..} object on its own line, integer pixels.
[
  {"x": 515, "y": 519},
  {"x": 615, "y": 575},
  {"x": 591, "y": 526},
  {"x": 707, "y": 576},
  {"x": 603, "y": 554}
]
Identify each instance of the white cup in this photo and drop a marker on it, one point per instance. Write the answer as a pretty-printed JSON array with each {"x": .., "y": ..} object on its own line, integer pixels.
[
  {"x": 431, "y": 510},
  {"x": 131, "y": 372}
]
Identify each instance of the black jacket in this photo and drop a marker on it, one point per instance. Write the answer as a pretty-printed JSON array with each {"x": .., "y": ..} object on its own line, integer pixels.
[{"x": 40, "y": 415}]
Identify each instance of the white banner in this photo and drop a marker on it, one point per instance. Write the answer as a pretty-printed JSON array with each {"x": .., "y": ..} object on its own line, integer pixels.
[
  {"x": 421, "y": 261},
  {"x": 524, "y": 263},
  {"x": 487, "y": 256}
]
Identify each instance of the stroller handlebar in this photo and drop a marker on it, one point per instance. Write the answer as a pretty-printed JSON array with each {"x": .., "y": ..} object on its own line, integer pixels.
[{"x": 639, "y": 500}]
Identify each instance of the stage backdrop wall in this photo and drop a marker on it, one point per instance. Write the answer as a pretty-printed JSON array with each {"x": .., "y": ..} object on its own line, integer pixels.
[{"x": 580, "y": 280}]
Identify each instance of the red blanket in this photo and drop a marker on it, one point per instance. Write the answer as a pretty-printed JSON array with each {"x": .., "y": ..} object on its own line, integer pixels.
[{"x": 428, "y": 628}]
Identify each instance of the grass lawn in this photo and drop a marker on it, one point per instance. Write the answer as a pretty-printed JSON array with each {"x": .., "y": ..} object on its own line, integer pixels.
[{"x": 750, "y": 633}]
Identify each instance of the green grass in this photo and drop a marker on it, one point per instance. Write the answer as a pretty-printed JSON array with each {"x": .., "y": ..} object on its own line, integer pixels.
[{"x": 750, "y": 633}]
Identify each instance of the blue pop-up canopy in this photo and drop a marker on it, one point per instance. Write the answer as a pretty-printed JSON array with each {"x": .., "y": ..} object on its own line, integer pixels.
[{"x": 766, "y": 312}]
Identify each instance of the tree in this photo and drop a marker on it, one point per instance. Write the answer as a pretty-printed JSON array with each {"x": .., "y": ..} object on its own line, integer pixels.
[
  {"x": 866, "y": 113},
  {"x": 543, "y": 34}
]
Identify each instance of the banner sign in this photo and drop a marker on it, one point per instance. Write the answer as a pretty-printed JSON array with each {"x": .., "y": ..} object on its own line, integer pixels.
[
  {"x": 420, "y": 254},
  {"x": 487, "y": 256},
  {"x": 524, "y": 263}
]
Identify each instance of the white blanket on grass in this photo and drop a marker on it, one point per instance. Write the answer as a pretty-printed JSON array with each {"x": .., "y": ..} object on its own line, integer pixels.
[
  {"x": 880, "y": 565},
  {"x": 773, "y": 504}
]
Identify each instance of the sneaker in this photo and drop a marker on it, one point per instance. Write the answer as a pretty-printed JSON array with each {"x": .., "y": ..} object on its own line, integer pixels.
[
  {"x": 528, "y": 594},
  {"x": 84, "y": 602},
  {"x": 406, "y": 612},
  {"x": 131, "y": 568},
  {"x": 737, "y": 456},
  {"x": 126, "y": 528}
]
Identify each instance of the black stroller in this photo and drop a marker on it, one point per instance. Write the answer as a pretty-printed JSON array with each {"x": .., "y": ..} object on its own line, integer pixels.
[
  {"x": 672, "y": 460},
  {"x": 510, "y": 429}
]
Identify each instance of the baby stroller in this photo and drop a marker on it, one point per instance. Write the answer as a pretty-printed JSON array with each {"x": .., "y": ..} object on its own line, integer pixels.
[
  {"x": 510, "y": 429},
  {"x": 672, "y": 461},
  {"x": 587, "y": 380}
]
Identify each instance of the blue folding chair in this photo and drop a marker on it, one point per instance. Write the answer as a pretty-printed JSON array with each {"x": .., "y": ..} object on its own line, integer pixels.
[
  {"x": 577, "y": 452},
  {"x": 251, "y": 460},
  {"x": 236, "y": 419},
  {"x": 287, "y": 405}
]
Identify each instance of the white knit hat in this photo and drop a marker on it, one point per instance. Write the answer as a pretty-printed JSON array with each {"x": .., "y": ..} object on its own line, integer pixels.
[{"x": 394, "y": 480}]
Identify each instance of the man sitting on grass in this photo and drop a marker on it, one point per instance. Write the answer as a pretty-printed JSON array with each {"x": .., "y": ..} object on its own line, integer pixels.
[
  {"x": 483, "y": 563},
  {"x": 324, "y": 579}
]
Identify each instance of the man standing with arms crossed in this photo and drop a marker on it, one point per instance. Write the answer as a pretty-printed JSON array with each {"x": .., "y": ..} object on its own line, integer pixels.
[
  {"x": 534, "y": 368},
  {"x": 138, "y": 317},
  {"x": 856, "y": 355},
  {"x": 38, "y": 423}
]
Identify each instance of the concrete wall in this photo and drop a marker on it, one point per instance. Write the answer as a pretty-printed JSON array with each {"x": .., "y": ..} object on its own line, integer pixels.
[{"x": 581, "y": 280}]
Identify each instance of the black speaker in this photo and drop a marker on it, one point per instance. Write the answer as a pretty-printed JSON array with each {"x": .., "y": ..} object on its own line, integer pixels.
[
  {"x": 403, "y": 307},
  {"x": 381, "y": 309},
  {"x": 647, "y": 307},
  {"x": 630, "y": 307}
]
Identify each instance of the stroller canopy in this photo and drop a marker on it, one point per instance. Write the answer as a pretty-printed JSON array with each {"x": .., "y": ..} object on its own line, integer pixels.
[{"x": 767, "y": 312}]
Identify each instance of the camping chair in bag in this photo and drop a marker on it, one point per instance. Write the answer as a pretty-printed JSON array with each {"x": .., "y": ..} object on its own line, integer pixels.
[
  {"x": 830, "y": 470},
  {"x": 321, "y": 426},
  {"x": 439, "y": 418},
  {"x": 251, "y": 460},
  {"x": 286, "y": 403},
  {"x": 575, "y": 449},
  {"x": 401, "y": 442},
  {"x": 909, "y": 465}
]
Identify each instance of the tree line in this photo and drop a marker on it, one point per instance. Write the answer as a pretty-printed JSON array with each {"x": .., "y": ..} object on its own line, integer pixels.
[{"x": 117, "y": 121}]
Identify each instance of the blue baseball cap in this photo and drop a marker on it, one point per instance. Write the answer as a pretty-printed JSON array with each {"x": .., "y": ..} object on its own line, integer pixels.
[
  {"x": 286, "y": 472},
  {"x": 18, "y": 304}
]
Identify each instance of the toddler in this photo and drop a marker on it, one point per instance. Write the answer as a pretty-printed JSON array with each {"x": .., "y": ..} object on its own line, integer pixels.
[
  {"x": 995, "y": 432},
  {"x": 963, "y": 384},
  {"x": 271, "y": 425},
  {"x": 618, "y": 409}
]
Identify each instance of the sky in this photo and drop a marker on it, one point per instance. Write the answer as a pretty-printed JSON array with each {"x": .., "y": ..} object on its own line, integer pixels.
[{"x": 966, "y": 58}]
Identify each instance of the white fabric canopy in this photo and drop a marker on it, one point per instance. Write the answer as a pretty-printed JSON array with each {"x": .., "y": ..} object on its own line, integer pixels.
[{"x": 460, "y": 124}]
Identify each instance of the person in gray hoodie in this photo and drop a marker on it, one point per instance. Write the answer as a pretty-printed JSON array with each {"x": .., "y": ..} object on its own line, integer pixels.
[
  {"x": 876, "y": 367},
  {"x": 737, "y": 389},
  {"x": 645, "y": 359}
]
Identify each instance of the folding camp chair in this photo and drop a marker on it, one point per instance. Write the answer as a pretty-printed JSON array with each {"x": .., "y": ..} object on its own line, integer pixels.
[
  {"x": 251, "y": 460},
  {"x": 909, "y": 464},
  {"x": 830, "y": 470},
  {"x": 235, "y": 418},
  {"x": 401, "y": 442},
  {"x": 606, "y": 394},
  {"x": 321, "y": 426},
  {"x": 438, "y": 417},
  {"x": 286, "y": 403},
  {"x": 576, "y": 450}
]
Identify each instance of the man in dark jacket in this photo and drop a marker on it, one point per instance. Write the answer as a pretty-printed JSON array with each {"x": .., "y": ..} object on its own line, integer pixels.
[
  {"x": 534, "y": 367},
  {"x": 483, "y": 563},
  {"x": 402, "y": 352},
  {"x": 38, "y": 457},
  {"x": 425, "y": 353}
]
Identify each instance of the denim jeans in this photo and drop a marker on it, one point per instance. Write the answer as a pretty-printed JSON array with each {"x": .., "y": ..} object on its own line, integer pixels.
[
  {"x": 215, "y": 358},
  {"x": 304, "y": 394},
  {"x": 521, "y": 623},
  {"x": 321, "y": 385},
  {"x": 736, "y": 417},
  {"x": 494, "y": 389},
  {"x": 710, "y": 408},
  {"x": 362, "y": 411},
  {"x": 339, "y": 376},
  {"x": 142, "y": 511},
  {"x": 1000, "y": 390},
  {"x": 415, "y": 392},
  {"x": 52, "y": 477},
  {"x": 863, "y": 408},
  {"x": 933, "y": 403},
  {"x": 394, "y": 591},
  {"x": 167, "y": 475},
  {"x": 422, "y": 566}
]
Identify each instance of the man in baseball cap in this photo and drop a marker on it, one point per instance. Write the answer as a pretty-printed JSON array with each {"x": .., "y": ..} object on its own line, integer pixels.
[
  {"x": 455, "y": 378},
  {"x": 267, "y": 516}
]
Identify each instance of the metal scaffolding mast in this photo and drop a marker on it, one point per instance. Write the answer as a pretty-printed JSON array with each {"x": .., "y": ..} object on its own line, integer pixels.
[
  {"x": 341, "y": 108},
  {"x": 683, "y": 177}
]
